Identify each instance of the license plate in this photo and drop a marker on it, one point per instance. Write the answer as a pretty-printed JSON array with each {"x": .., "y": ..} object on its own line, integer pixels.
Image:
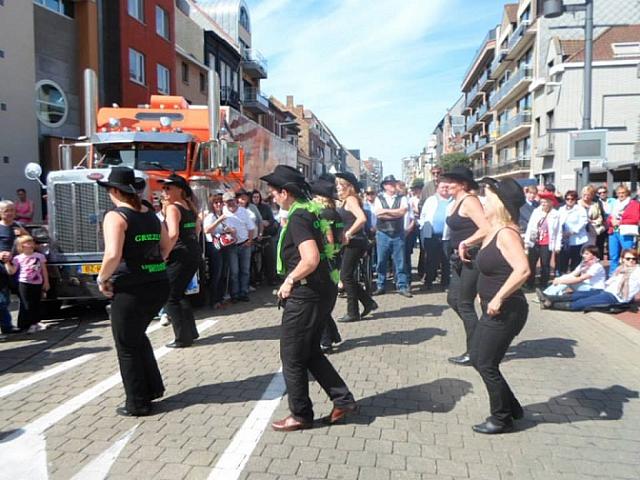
[{"x": 90, "y": 269}]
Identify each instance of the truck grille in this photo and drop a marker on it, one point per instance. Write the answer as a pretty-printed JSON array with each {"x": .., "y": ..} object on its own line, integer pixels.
[{"x": 79, "y": 209}]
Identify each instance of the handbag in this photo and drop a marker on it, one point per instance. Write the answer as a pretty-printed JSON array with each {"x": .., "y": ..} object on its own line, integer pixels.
[
  {"x": 222, "y": 240},
  {"x": 628, "y": 230}
]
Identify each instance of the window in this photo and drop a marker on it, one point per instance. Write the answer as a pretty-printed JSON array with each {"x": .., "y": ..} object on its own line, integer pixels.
[
  {"x": 164, "y": 82},
  {"x": 244, "y": 19},
  {"x": 135, "y": 8},
  {"x": 51, "y": 104},
  {"x": 1, "y": 51},
  {"x": 203, "y": 82},
  {"x": 136, "y": 66},
  {"x": 162, "y": 23},
  {"x": 65, "y": 7},
  {"x": 185, "y": 72}
]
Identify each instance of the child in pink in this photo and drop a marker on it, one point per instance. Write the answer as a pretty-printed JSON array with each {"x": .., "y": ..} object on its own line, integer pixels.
[{"x": 32, "y": 281}]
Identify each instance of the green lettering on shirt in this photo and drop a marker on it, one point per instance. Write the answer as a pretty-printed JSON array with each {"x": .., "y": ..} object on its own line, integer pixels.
[
  {"x": 147, "y": 237},
  {"x": 189, "y": 225},
  {"x": 154, "y": 267}
]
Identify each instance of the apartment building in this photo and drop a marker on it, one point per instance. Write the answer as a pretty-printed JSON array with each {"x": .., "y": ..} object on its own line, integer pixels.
[{"x": 505, "y": 90}]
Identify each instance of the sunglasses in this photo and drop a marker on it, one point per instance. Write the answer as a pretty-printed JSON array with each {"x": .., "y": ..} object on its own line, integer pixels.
[
  {"x": 631, "y": 258},
  {"x": 602, "y": 192},
  {"x": 570, "y": 198}
]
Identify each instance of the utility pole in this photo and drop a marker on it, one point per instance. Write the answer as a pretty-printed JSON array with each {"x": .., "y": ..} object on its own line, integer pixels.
[{"x": 554, "y": 9}]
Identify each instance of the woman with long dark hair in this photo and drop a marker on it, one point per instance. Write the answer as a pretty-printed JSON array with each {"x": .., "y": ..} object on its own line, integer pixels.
[
  {"x": 503, "y": 268},
  {"x": 354, "y": 246},
  {"x": 183, "y": 227},
  {"x": 467, "y": 227},
  {"x": 133, "y": 274}
]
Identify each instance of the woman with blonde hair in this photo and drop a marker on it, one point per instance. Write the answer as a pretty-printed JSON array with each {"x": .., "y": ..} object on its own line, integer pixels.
[
  {"x": 354, "y": 246},
  {"x": 503, "y": 268},
  {"x": 596, "y": 223},
  {"x": 183, "y": 227}
]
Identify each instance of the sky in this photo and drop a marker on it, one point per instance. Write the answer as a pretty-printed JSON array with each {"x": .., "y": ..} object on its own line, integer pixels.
[{"x": 379, "y": 73}]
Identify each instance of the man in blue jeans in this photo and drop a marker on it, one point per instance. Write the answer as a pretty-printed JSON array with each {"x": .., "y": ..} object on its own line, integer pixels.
[
  {"x": 390, "y": 209},
  {"x": 240, "y": 220}
]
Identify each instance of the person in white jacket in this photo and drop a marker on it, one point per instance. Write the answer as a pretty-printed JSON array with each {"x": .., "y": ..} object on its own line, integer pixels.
[
  {"x": 573, "y": 226},
  {"x": 432, "y": 224},
  {"x": 541, "y": 239}
]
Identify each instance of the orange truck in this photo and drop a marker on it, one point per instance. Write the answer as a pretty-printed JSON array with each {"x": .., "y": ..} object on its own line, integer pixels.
[{"x": 157, "y": 139}]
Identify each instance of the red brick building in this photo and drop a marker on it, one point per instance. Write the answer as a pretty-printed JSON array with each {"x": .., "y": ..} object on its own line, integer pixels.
[{"x": 139, "y": 55}]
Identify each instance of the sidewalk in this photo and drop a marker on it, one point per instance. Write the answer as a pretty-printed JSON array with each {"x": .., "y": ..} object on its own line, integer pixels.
[{"x": 577, "y": 376}]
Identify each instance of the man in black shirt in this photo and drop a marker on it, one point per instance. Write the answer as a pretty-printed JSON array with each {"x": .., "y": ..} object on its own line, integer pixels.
[{"x": 301, "y": 257}]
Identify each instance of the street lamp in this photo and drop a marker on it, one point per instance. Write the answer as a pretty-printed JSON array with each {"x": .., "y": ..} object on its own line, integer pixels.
[{"x": 554, "y": 9}]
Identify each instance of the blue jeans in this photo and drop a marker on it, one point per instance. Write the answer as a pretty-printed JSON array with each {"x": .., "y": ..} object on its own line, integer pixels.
[
  {"x": 391, "y": 245},
  {"x": 582, "y": 300},
  {"x": 5, "y": 316},
  {"x": 239, "y": 270},
  {"x": 617, "y": 243}
]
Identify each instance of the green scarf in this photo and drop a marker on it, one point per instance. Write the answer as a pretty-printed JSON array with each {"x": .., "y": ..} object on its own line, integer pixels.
[{"x": 328, "y": 251}]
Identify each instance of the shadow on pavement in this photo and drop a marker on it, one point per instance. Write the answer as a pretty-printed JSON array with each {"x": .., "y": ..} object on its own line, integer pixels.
[
  {"x": 542, "y": 347},
  {"x": 413, "y": 311},
  {"x": 584, "y": 404},
  {"x": 260, "y": 333},
  {"x": 439, "y": 396},
  {"x": 32, "y": 358},
  {"x": 402, "y": 337}
]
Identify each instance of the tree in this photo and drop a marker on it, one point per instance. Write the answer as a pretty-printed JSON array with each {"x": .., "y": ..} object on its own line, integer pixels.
[{"x": 451, "y": 160}]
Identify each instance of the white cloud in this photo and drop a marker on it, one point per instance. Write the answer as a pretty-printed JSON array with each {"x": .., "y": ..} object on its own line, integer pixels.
[{"x": 373, "y": 70}]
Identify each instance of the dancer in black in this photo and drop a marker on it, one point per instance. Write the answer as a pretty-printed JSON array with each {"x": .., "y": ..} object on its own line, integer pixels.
[
  {"x": 467, "y": 226},
  {"x": 307, "y": 285},
  {"x": 183, "y": 227},
  {"x": 355, "y": 245},
  {"x": 133, "y": 274},
  {"x": 324, "y": 191},
  {"x": 504, "y": 268}
]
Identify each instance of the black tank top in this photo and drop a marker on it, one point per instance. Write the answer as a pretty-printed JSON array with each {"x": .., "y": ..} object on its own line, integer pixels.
[
  {"x": 187, "y": 235},
  {"x": 494, "y": 270},
  {"x": 460, "y": 227},
  {"x": 141, "y": 261},
  {"x": 349, "y": 219},
  {"x": 337, "y": 226}
]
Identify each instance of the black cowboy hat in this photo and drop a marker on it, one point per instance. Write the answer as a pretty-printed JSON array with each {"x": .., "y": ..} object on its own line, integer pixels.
[
  {"x": 351, "y": 178},
  {"x": 123, "y": 179},
  {"x": 463, "y": 174},
  {"x": 388, "y": 179},
  {"x": 289, "y": 178},
  {"x": 510, "y": 194},
  {"x": 178, "y": 181},
  {"x": 324, "y": 188}
]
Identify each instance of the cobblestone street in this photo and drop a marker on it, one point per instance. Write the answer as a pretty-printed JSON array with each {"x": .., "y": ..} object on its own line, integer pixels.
[{"x": 576, "y": 374}]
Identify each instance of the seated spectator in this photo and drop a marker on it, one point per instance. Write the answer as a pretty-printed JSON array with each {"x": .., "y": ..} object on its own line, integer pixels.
[
  {"x": 589, "y": 275},
  {"x": 621, "y": 288}
]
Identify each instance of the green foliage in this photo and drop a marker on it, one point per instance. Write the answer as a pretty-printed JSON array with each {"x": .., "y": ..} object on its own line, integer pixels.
[{"x": 450, "y": 160}]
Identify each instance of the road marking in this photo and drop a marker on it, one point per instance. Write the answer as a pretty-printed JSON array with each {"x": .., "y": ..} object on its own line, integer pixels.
[
  {"x": 61, "y": 367},
  {"x": 50, "y": 372},
  {"x": 24, "y": 452},
  {"x": 98, "y": 469},
  {"x": 244, "y": 442}
]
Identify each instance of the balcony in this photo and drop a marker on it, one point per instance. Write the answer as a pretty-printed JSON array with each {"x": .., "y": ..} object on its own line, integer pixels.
[
  {"x": 499, "y": 63},
  {"x": 480, "y": 172},
  {"x": 483, "y": 141},
  {"x": 253, "y": 63},
  {"x": 510, "y": 167},
  {"x": 228, "y": 96},
  {"x": 471, "y": 121},
  {"x": 490, "y": 36},
  {"x": 516, "y": 40},
  {"x": 485, "y": 79},
  {"x": 508, "y": 129},
  {"x": 470, "y": 148},
  {"x": 255, "y": 101},
  {"x": 545, "y": 147},
  {"x": 483, "y": 110},
  {"x": 512, "y": 88}
]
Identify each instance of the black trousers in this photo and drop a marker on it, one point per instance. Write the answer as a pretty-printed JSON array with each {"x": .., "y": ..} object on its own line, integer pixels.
[
  {"x": 601, "y": 240},
  {"x": 435, "y": 260},
  {"x": 542, "y": 253},
  {"x": 132, "y": 309},
  {"x": 351, "y": 255},
  {"x": 461, "y": 296},
  {"x": 491, "y": 339},
  {"x": 180, "y": 270},
  {"x": 214, "y": 261},
  {"x": 330, "y": 333},
  {"x": 269, "y": 259},
  {"x": 302, "y": 324},
  {"x": 30, "y": 298},
  {"x": 569, "y": 258}
]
